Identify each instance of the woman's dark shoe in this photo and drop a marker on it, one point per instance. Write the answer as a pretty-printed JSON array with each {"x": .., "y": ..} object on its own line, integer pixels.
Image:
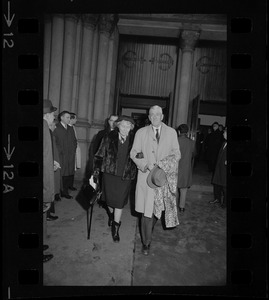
[
  {"x": 115, "y": 231},
  {"x": 182, "y": 210}
]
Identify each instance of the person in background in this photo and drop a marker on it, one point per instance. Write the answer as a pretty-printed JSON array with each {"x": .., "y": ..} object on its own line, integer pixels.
[
  {"x": 57, "y": 176},
  {"x": 113, "y": 160},
  {"x": 220, "y": 173},
  {"x": 73, "y": 121},
  {"x": 57, "y": 173},
  {"x": 109, "y": 126},
  {"x": 66, "y": 143},
  {"x": 221, "y": 128},
  {"x": 214, "y": 142},
  {"x": 48, "y": 168},
  {"x": 154, "y": 145},
  {"x": 185, "y": 164},
  {"x": 205, "y": 144},
  {"x": 198, "y": 146}
]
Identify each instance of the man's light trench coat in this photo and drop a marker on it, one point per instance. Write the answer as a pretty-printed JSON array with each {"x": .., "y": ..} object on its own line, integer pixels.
[{"x": 145, "y": 142}]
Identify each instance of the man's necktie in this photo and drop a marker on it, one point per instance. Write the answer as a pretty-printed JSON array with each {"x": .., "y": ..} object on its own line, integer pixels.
[
  {"x": 157, "y": 135},
  {"x": 122, "y": 140}
]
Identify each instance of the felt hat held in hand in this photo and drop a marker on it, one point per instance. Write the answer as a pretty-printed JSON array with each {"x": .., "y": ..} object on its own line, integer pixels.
[{"x": 156, "y": 177}]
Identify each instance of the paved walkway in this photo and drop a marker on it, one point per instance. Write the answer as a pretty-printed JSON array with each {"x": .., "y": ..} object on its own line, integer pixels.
[{"x": 193, "y": 253}]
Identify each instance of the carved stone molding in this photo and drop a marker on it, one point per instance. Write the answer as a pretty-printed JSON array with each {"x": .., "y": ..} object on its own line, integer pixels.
[
  {"x": 205, "y": 63},
  {"x": 90, "y": 20},
  {"x": 107, "y": 23},
  {"x": 189, "y": 39},
  {"x": 72, "y": 17}
]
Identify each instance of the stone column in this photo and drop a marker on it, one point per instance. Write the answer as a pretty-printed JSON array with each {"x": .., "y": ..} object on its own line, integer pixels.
[
  {"x": 56, "y": 58},
  {"x": 106, "y": 27},
  {"x": 89, "y": 24},
  {"x": 68, "y": 61},
  {"x": 47, "y": 55},
  {"x": 93, "y": 75},
  {"x": 76, "y": 67},
  {"x": 183, "y": 82},
  {"x": 108, "y": 75},
  {"x": 114, "y": 71}
]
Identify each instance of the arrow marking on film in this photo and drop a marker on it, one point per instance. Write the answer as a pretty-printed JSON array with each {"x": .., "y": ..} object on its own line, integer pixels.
[
  {"x": 8, "y": 19},
  {"x": 7, "y": 151}
]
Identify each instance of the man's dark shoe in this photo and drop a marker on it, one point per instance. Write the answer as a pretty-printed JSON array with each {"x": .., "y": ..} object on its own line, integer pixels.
[
  {"x": 47, "y": 257},
  {"x": 57, "y": 197},
  {"x": 45, "y": 247},
  {"x": 52, "y": 218},
  {"x": 214, "y": 201},
  {"x": 67, "y": 196},
  {"x": 145, "y": 249},
  {"x": 72, "y": 188}
]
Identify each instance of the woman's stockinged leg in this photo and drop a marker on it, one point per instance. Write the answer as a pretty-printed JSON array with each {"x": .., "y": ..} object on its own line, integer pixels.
[{"x": 117, "y": 214}]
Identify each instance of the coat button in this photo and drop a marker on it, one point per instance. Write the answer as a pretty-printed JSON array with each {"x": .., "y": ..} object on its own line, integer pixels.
[{"x": 153, "y": 151}]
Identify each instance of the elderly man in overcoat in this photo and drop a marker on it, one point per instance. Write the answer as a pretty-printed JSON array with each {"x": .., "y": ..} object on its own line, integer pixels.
[
  {"x": 66, "y": 143},
  {"x": 48, "y": 166},
  {"x": 151, "y": 145}
]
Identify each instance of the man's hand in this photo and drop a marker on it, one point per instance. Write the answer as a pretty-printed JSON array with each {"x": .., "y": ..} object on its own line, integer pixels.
[
  {"x": 56, "y": 166},
  {"x": 148, "y": 167},
  {"x": 145, "y": 168},
  {"x": 151, "y": 166}
]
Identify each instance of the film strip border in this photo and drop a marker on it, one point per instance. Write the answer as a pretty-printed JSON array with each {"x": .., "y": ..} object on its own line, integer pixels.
[{"x": 22, "y": 156}]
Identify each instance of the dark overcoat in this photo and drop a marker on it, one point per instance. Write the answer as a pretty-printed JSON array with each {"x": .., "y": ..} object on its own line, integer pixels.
[
  {"x": 219, "y": 176},
  {"x": 106, "y": 156},
  {"x": 214, "y": 142},
  {"x": 187, "y": 149},
  {"x": 57, "y": 173},
  {"x": 48, "y": 170},
  {"x": 66, "y": 143}
]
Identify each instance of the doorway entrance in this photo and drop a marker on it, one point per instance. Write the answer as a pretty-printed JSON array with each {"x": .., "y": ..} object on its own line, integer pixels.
[{"x": 137, "y": 107}]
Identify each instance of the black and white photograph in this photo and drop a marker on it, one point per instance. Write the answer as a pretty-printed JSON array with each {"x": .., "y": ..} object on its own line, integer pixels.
[
  {"x": 139, "y": 176},
  {"x": 164, "y": 71}
]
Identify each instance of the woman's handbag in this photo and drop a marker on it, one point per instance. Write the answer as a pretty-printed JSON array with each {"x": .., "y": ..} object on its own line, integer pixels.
[{"x": 88, "y": 195}]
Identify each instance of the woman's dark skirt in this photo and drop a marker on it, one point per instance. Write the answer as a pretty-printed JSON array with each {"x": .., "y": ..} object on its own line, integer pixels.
[{"x": 116, "y": 190}]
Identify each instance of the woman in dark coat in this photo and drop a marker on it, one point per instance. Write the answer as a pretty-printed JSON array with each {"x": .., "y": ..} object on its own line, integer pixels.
[
  {"x": 113, "y": 160},
  {"x": 219, "y": 176},
  {"x": 185, "y": 164}
]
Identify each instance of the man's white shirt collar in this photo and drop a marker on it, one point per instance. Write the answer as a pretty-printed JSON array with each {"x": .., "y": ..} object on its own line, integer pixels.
[{"x": 64, "y": 125}]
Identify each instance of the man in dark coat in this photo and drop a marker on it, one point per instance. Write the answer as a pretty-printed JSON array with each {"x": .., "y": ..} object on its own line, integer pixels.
[
  {"x": 214, "y": 142},
  {"x": 185, "y": 164},
  {"x": 219, "y": 176},
  {"x": 66, "y": 143},
  {"x": 48, "y": 168}
]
